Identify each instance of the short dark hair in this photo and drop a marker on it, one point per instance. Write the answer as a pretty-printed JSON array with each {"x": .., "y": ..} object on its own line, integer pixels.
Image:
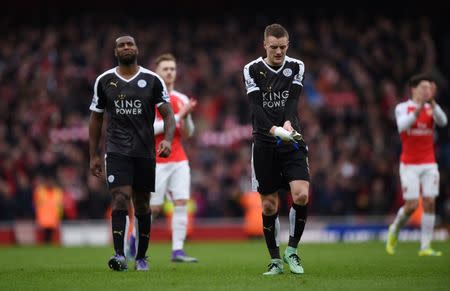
[
  {"x": 415, "y": 80},
  {"x": 276, "y": 30},
  {"x": 164, "y": 57},
  {"x": 122, "y": 36}
]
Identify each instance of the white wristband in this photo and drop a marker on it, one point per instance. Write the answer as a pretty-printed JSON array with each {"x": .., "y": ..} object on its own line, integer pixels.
[{"x": 282, "y": 133}]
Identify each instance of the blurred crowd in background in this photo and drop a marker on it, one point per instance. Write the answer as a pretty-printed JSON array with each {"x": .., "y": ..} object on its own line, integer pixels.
[{"x": 356, "y": 72}]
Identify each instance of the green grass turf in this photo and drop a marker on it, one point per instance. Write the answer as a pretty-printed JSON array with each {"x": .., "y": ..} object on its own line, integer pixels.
[{"x": 227, "y": 266}]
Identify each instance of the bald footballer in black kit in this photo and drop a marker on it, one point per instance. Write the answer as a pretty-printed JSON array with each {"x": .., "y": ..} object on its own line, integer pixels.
[{"x": 129, "y": 93}]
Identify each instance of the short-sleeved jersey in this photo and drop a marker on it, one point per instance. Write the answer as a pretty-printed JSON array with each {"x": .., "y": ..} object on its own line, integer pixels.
[
  {"x": 130, "y": 105},
  {"x": 177, "y": 100},
  {"x": 417, "y": 141},
  {"x": 276, "y": 98}
]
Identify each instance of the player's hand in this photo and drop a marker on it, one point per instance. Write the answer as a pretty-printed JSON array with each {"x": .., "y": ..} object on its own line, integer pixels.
[
  {"x": 188, "y": 108},
  {"x": 432, "y": 97},
  {"x": 164, "y": 149},
  {"x": 282, "y": 134},
  {"x": 288, "y": 126},
  {"x": 296, "y": 135},
  {"x": 95, "y": 165}
]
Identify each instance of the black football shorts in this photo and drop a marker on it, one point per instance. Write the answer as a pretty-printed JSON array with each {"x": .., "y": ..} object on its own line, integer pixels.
[
  {"x": 137, "y": 172},
  {"x": 274, "y": 167}
]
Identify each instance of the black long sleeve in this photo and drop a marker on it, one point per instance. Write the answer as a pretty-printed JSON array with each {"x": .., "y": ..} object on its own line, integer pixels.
[{"x": 258, "y": 113}]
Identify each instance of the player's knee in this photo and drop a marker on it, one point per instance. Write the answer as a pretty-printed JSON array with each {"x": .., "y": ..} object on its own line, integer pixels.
[
  {"x": 142, "y": 208},
  {"x": 411, "y": 206},
  {"x": 156, "y": 210},
  {"x": 300, "y": 197},
  {"x": 428, "y": 204},
  {"x": 120, "y": 200},
  {"x": 269, "y": 207},
  {"x": 180, "y": 202}
]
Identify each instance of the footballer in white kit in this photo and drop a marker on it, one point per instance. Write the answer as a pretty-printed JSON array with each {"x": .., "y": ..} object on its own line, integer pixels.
[{"x": 419, "y": 174}]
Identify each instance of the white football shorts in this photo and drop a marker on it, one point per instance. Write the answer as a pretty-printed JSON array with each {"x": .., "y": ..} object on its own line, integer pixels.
[
  {"x": 413, "y": 177},
  {"x": 173, "y": 180}
]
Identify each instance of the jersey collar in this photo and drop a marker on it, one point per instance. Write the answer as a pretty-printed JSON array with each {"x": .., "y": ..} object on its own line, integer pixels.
[
  {"x": 127, "y": 80},
  {"x": 277, "y": 71}
]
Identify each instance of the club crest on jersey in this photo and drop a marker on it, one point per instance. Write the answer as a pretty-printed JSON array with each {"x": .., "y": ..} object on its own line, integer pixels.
[
  {"x": 287, "y": 72},
  {"x": 142, "y": 83}
]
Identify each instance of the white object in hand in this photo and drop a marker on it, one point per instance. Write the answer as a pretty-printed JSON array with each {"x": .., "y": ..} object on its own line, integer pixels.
[
  {"x": 295, "y": 135},
  {"x": 283, "y": 134}
]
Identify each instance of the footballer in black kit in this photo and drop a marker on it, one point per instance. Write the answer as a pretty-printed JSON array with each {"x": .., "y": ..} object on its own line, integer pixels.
[
  {"x": 274, "y": 92},
  {"x": 279, "y": 153},
  {"x": 128, "y": 94},
  {"x": 130, "y": 140}
]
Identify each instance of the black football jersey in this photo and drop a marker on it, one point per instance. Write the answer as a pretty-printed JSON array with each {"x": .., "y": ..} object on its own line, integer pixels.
[
  {"x": 276, "y": 91},
  {"x": 130, "y": 105}
]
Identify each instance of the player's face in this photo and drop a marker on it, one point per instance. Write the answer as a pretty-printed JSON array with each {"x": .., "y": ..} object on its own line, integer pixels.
[
  {"x": 126, "y": 50},
  {"x": 433, "y": 90},
  {"x": 423, "y": 91},
  {"x": 168, "y": 71},
  {"x": 276, "y": 49}
]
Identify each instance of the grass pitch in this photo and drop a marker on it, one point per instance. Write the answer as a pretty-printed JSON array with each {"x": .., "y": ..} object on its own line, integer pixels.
[{"x": 227, "y": 266}]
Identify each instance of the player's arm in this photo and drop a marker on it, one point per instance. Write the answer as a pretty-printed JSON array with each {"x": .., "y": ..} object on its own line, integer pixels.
[
  {"x": 184, "y": 115},
  {"x": 295, "y": 91},
  {"x": 439, "y": 116},
  {"x": 404, "y": 119},
  {"x": 162, "y": 102},
  {"x": 165, "y": 146},
  {"x": 260, "y": 116},
  {"x": 188, "y": 126},
  {"x": 97, "y": 107},
  {"x": 291, "y": 111}
]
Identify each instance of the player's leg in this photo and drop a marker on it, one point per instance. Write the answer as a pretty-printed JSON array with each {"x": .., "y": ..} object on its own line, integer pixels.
[
  {"x": 156, "y": 201},
  {"x": 179, "y": 185},
  {"x": 297, "y": 220},
  {"x": 430, "y": 189},
  {"x": 266, "y": 180},
  {"x": 143, "y": 222},
  {"x": 143, "y": 185},
  {"x": 162, "y": 175},
  {"x": 130, "y": 243},
  {"x": 118, "y": 176},
  {"x": 271, "y": 229},
  {"x": 410, "y": 182},
  {"x": 296, "y": 172}
]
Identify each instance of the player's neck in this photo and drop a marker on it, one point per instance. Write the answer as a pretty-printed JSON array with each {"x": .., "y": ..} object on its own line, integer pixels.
[
  {"x": 170, "y": 88},
  {"x": 272, "y": 65},
  {"x": 127, "y": 71},
  {"x": 415, "y": 100}
]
